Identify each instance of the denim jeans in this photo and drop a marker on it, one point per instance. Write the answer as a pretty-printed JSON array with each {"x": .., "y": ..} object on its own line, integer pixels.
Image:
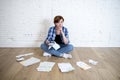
[{"x": 64, "y": 48}]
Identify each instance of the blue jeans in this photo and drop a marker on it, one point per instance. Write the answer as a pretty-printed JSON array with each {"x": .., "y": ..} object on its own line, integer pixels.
[{"x": 64, "y": 48}]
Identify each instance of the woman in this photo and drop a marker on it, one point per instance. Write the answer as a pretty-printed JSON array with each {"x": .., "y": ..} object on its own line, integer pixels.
[{"x": 58, "y": 34}]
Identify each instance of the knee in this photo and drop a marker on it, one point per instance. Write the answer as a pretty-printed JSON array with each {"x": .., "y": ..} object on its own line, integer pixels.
[
  {"x": 70, "y": 47},
  {"x": 42, "y": 46}
]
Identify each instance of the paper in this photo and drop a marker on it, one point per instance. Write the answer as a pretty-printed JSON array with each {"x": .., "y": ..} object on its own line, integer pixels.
[
  {"x": 30, "y": 61},
  {"x": 65, "y": 67},
  {"x": 92, "y": 62},
  {"x": 27, "y": 54},
  {"x": 83, "y": 65},
  {"x": 22, "y": 55},
  {"x": 20, "y": 59},
  {"x": 54, "y": 45},
  {"x": 19, "y": 56},
  {"x": 51, "y": 44},
  {"x": 45, "y": 66}
]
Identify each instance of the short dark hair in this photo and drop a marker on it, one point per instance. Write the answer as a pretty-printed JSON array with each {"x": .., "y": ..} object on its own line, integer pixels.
[{"x": 58, "y": 18}]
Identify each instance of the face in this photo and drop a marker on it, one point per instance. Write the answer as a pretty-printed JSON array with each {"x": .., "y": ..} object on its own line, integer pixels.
[{"x": 59, "y": 24}]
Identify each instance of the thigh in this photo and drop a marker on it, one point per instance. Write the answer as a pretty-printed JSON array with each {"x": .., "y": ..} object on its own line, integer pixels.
[
  {"x": 44, "y": 46},
  {"x": 65, "y": 48}
]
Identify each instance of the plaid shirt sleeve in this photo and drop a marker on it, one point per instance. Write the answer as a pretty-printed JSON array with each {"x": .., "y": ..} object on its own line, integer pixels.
[{"x": 50, "y": 34}]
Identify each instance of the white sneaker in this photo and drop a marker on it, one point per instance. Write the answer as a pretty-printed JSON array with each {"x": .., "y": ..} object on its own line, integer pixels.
[
  {"x": 66, "y": 56},
  {"x": 46, "y": 54}
]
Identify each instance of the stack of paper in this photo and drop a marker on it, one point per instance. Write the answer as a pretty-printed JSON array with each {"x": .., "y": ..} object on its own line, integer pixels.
[
  {"x": 83, "y": 65},
  {"x": 65, "y": 67},
  {"x": 30, "y": 61},
  {"x": 46, "y": 66}
]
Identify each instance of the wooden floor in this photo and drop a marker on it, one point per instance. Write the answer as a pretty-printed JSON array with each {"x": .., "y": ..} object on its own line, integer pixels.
[{"x": 108, "y": 67}]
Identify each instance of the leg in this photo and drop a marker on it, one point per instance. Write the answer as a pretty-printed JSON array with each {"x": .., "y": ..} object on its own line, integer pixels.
[
  {"x": 65, "y": 48},
  {"x": 51, "y": 51},
  {"x": 44, "y": 47}
]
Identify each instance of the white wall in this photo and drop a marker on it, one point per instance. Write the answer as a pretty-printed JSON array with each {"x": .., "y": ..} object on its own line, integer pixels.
[{"x": 24, "y": 23}]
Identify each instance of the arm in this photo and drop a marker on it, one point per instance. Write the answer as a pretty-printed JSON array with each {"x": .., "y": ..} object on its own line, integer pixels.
[
  {"x": 65, "y": 37},
  {"x": 47, "y": 41}
]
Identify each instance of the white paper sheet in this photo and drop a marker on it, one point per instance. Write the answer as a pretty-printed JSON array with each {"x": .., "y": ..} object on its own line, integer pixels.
[
  {"x": 65, "y": 67},
  {"x": 30, "y": 61},
  {"x": 45, "y": 66},
  {"x": 27, "y": 54},
  {"x": 22, "y": 55},
  {"x": 83, "y": 65},
  {"x": 20, "y": 59},
  {"x": 54, "y": 45}
]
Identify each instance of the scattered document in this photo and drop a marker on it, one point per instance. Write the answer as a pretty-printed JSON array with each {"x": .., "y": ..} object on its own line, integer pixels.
[
  {"x": 54, "y": 45},
  {"x": 45, "y": 66},
  {"x": 22, "y": 55},
  {"x": 30, "y": 61},
  {"x": 27, "y": 54},
  {"x": 65, "y": 67},
  {"x": 20, "y": 59},
  {"x": 83, "y": 65},
  {"x": 92, "y": 62}
]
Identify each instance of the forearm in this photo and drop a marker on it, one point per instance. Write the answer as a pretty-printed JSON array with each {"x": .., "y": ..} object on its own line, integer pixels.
[{"x": 65, "y": 40}]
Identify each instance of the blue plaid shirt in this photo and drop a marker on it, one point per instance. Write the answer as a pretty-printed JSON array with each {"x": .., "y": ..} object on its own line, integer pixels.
[{"x": 52, "y": 34}]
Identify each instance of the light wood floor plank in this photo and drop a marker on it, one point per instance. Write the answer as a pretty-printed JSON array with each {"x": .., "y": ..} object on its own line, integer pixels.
[{"x": 108, "y": 67}]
